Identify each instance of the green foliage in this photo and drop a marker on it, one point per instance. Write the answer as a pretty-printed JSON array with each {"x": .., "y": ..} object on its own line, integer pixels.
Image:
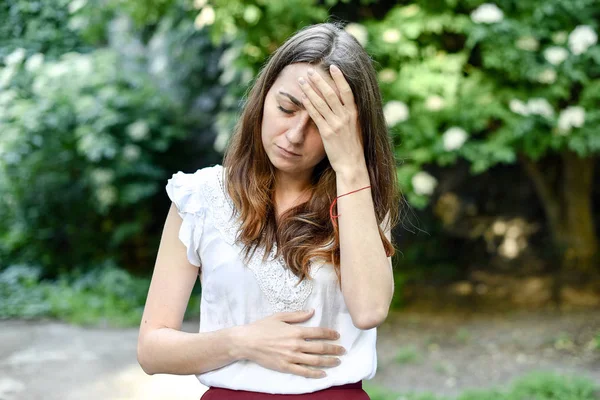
[
  {"x": 535, "y": 385},
  {"x": 39, "y": 26},
  {"x": 258, "y": 27},
  {"x": 549, "y": 386},
  {"x": 105, "y": 295},
  {"x": 21, "y": 295},
  {"x": 486, "y": 91},
  {"x": 80, "y": 138},
  {"x": 88, "y": 138}
]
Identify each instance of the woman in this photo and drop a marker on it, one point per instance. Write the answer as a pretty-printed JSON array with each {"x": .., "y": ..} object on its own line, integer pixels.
[{"x": 290, "y": 237}]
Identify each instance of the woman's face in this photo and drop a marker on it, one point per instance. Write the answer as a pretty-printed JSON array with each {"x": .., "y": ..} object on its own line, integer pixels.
[{"x": 286, "y": 125}]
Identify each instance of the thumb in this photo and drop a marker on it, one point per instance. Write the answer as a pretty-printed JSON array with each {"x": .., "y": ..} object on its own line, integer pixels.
[{"x": 297, "y": 316}]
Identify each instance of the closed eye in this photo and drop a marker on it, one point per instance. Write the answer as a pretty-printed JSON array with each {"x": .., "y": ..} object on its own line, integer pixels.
[{"x": 284, "y": 110}]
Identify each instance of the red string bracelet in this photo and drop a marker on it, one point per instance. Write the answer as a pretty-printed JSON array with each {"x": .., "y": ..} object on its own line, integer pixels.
[{"x": 335, "y": 200}]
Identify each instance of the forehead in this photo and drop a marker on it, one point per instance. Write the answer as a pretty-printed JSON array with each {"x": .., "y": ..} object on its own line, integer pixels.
[{"x": 288, "y": 78}]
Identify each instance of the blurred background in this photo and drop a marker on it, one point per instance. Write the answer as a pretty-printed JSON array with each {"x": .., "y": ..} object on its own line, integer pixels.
[{"x": 494, "y": 111}]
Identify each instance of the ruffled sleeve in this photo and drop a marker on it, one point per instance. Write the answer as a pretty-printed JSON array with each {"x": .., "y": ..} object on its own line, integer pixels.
[{"x": 184, "y": 192}]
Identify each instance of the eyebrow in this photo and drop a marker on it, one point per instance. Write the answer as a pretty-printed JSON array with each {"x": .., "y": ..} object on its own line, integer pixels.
[{"x": 292, "y": 99}]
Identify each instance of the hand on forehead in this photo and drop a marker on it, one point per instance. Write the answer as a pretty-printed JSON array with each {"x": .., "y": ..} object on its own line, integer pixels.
[{"x": 288, "y": 79}]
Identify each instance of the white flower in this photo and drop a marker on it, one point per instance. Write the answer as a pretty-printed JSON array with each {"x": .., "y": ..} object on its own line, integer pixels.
[
  {"x": 76, "y": 5},
  {"x": 571, "y": 117},
  {"x": 547, "y": 76},
  {"x": 82, "y": 65},
  {"x": 6, "y": 96},
  {"x": 560, "y": 37},
  {"x": 556, "y": 55},
  {"x": 527, "y": 43},
  {"x": 435, "y": 103},
  {"x": 57, "y": 70},
  {"x": 387, "y": 75},
  {"x": 251, "y": 14},
  {"x": 395, "y": 112},
  {"x": 106, "y": 195},
  {"x": 102, "y": 176},
  {"x": 391, "y": 35},
  {"x": 34, "y": 62},
  {"x": 6, "y": 76},
  {"x": 540, "y": 106},
  {"x": 198, "y": 4},
  {"x": 410, "y": 11},
  {"x": 582, "y": 38},
  {"x": 518, "y": 107},
  {"x": 139, "y": 130},
  {"x": 359, "y": 32},
  {"x": 78, "y": 22},
  {"x": 423, "y": 183},
  {"x": 131, "y": 152},
  {"x": 487, "y": 13},
  {"x": 454, "y": 138},
  {"x": 15, "y": 57},
  {"x": 158, "y": 64},
  {"x": 205, "y": 18}
]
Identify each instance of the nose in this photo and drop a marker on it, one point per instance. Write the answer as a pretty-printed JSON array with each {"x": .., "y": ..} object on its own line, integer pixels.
[{"x": 298, "y": 128}]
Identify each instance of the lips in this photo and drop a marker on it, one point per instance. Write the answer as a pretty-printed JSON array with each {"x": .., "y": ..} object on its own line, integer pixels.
[{"x": 288, "y": 151}]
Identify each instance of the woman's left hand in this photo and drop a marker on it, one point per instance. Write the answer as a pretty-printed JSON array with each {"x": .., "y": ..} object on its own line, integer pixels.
[{"x": 336, "y": 118}]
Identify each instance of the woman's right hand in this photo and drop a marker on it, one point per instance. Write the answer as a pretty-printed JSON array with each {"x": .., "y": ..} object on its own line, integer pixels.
[{"x": 274, "y": 343}]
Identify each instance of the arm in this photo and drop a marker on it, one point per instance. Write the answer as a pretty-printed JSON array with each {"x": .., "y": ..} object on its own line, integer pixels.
[
  {"x": 366, "y": 273},
  {"x": 273, "y": 342},
  {"x": 367, "y": 277},
  {"x": 162, "y": 347}
]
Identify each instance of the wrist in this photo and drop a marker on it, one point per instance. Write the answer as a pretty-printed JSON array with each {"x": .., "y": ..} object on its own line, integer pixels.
[
  {"x": 352, "y": 178},
  {"x": 238, "y": 345}
]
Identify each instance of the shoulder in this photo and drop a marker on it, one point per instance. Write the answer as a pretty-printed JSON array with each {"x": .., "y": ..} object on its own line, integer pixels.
[
  {"x": 193, "y": 179},
  {"x": 188, "y": 190}
]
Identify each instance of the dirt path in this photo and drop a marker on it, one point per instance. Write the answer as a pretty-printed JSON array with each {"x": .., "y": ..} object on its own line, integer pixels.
[
  {"x": 418, "y": 351},
  {"x": 446, "y": 354},
  {"x": 55, "y": 361}
]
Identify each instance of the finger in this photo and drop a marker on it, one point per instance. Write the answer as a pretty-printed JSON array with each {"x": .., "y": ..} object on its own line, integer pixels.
[
  {"x": 323, "y": 348},
  {"x": 305, "y": 372},
  {"x": 343, "y": 86},
  {"x": 320, "y": 333},
  {"x": 331, "y": 97},
  {"x": 315, "y": 115},
  {"x": 317, "y": 103},
  {"x": 295, "y": 316},
  {"x": 316, "y": 361}
]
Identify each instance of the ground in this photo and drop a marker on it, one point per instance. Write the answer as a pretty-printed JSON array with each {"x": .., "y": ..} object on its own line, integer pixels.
[{"x": 440, "y": 352}]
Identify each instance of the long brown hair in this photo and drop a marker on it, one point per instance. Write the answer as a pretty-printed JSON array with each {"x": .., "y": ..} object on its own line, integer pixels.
[{"x": 305, "y": 231}]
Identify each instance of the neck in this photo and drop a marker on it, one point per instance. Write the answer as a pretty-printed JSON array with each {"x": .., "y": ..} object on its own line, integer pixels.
[
  {"x": 290, "y": 193},
  {"x": 289, "y": 185}
]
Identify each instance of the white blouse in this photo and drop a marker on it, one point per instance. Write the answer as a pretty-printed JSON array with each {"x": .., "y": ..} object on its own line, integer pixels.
[{"x": 235, "y": 293}]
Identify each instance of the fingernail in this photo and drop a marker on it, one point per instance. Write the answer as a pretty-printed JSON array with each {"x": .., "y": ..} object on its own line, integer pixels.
[
  {"x": 311, "y": 71},
  {"x": 338, "y": 361},
  {"x": 334, "y": 68},
  {"x": 323, "y": 374},
  {"x": 302, "y": 81}
]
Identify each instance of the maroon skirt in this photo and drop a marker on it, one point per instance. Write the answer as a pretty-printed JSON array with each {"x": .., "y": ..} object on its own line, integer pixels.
[{"x": 351, "y": 391}]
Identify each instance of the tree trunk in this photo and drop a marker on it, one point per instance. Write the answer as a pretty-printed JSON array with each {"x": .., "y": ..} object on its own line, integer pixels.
[
  {"x": 567, "y": 201},
  {"x": 579, "y": 239}
]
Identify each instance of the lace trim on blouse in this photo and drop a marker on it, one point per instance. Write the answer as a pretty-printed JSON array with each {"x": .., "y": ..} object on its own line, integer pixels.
[{"x": 279, "y": 285}]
